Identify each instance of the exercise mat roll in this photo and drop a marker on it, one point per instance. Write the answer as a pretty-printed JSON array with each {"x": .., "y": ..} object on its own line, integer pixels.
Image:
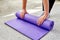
[{"x": 47, "y": 24}]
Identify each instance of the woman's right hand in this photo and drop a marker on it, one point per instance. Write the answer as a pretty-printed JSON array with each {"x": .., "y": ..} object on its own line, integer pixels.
[{"x": 22, "y": 14}]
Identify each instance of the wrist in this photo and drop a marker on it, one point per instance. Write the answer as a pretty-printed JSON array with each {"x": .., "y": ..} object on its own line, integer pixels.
[
  {"x": 24, "y": 10},
  {"x": 46, "y": 16}
]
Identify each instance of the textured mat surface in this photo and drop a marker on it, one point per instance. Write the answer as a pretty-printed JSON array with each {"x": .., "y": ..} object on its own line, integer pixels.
[{"x": 29, "y": 28}]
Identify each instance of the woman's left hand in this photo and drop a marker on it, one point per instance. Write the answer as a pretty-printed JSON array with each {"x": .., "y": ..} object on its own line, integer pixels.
[{"x": 41, "y": 19}]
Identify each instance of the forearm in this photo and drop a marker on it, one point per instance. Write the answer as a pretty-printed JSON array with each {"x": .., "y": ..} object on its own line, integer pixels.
[
  {"x": 46, "y": 7},
  {"x": 24, "y": 4}
]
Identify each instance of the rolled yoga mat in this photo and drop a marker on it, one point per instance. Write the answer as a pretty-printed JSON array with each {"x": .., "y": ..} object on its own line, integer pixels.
[
  {"x": 47, "y": 24},
  {"x": 28, "y": 26}
]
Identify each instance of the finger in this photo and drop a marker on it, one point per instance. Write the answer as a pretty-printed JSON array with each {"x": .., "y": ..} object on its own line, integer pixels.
[
  {"x": 21, "y": 16},
  {"x": 38, "y": 22}
]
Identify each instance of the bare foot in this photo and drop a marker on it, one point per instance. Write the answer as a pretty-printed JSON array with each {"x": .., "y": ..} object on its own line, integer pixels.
[
  {"x": 22, "y": 14},
  {"x": 41, "y": 19}
]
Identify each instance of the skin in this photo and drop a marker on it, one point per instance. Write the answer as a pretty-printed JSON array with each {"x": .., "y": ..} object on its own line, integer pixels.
[{"x": 40, "y": 19}]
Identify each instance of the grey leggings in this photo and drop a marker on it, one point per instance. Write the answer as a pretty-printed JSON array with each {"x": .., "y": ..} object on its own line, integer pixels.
[{"x": 51, "y": 3}]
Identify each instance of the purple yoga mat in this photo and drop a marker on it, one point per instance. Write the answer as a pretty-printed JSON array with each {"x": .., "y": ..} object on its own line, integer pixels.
[
  {"x": 48, "y": 24},
  {"x": 28, "y": 26}
]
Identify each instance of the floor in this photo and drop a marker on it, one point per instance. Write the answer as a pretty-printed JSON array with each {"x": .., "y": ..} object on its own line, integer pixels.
[{"x": 9, "y": 7}]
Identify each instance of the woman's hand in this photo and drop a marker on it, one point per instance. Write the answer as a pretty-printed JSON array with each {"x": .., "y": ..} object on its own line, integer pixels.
[
  {"x": 46, "y": 11},
  {"x": 41, "y": 19},
  {"x": 22, "y": 14}
]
